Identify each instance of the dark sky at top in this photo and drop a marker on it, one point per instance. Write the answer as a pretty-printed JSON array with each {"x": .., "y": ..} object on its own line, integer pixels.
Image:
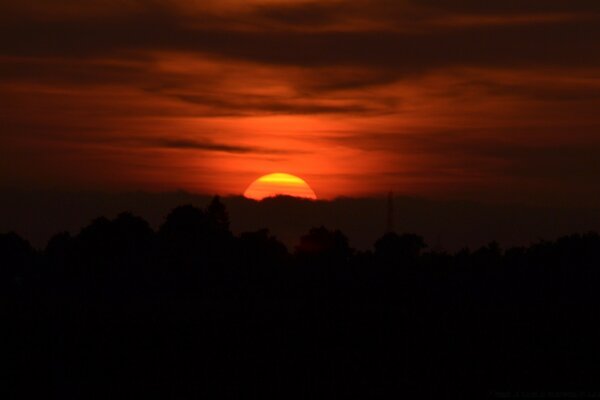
[{"x": 494, "y": 101}]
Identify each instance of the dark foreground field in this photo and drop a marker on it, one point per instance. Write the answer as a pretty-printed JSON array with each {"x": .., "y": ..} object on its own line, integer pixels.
[{"x": 192, "y": 311}]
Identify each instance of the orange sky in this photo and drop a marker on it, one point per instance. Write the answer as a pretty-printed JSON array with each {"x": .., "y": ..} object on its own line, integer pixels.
[{"x": 435, "y": 98}]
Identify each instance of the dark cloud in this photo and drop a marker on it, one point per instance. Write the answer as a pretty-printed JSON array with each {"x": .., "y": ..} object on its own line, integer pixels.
[
  {"x": 305, "y": 14},
  {"x": 548, "y": 93},
  {"x": 402, "y": 44},
  {"x": 570, "y": 42},
  {"x": 72, "y": 72},
  {"x": 188, "y": 144},
  {"x": 510, "y": 6},
  {"x": 414, "y": 53},
  {"x": 248, "y": 105},
  {"x": 485, "y": 154}
]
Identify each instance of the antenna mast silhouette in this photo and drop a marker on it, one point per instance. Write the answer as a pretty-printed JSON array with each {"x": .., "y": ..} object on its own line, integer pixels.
[{"x": 390, "y": 213}]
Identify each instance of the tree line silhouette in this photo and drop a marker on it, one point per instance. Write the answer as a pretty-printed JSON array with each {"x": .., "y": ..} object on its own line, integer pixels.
[{"x": 120, "y": 310}]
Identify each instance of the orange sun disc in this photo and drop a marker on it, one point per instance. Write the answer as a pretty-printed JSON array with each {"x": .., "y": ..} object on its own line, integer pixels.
[{"x": 279, "y": 184}]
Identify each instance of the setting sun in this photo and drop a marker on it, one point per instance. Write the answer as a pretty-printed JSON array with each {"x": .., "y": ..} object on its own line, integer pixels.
[{"x": 278, "y": 184}]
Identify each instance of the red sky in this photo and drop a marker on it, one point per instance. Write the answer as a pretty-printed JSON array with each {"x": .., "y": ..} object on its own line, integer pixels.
[{"x": 438, "y": 98}]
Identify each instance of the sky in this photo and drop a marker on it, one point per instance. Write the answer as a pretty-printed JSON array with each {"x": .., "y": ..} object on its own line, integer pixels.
[{"x": 495, "y": 101}]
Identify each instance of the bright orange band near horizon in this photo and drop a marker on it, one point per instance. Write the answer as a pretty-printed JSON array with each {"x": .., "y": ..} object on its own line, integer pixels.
[{"x": 278, "y": 184}]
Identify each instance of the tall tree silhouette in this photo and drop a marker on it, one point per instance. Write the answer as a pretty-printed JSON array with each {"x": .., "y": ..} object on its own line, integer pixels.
[{"x": 217, "y": 215}]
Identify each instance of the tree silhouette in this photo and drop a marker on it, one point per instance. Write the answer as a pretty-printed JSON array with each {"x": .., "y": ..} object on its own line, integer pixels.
[
  {"x": 395, "y": 249},
  {"x": 262, "y": 249},
  {"x": 16, "y": 255},
  {"x": 217, "y": 215},
  {"x": 323, "y": 244},
  {"x": 194, "y": 311}
]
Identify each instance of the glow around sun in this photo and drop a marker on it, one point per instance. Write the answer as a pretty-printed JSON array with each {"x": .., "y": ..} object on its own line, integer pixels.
[{"x": 279, "y": 184}]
